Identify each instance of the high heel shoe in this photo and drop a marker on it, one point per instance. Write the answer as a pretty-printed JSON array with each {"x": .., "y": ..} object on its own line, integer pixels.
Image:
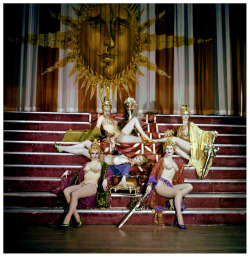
[
  {"x": 145, "y": 140},
  {"x": 65, "y": 226},
  {"x": 176, "y": 224},
  {"x": 80, "y": 223},
  {"x": 59, "y": 150}
]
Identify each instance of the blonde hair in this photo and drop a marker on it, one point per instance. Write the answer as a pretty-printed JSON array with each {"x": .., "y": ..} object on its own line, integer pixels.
[
  {"x": 185, "y": 108},
  {"x": 169, "y": 142},
  {"x": 95, "y": 147}
]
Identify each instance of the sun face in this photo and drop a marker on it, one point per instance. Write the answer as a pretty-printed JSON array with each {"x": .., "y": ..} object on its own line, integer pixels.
[{"x": 106, "y": 42}]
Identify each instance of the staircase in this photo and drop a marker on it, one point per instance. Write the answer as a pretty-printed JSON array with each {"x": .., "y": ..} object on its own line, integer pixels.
[{"x": 32, "y": 168}]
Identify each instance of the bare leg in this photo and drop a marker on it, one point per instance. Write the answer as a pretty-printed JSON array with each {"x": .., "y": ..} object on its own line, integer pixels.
[
  {"x": 131, "y": 124},
  {"x": 184, "y": 188},
  {"x": 181, "y": 153},
  {"x": 123, "y": 139},
  {"x": 170, "y": 192},
  {"x": 83, "y": 191},
  {"x": 78, "y": 149},
  {"x": 67, "y": 193},
  {"x": 171, "y": 202},
  {"x": 123, "y": 181}
]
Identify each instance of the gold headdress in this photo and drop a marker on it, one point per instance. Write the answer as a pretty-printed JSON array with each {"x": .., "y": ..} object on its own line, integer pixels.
[
  {"x": 169, "y": 142},
  {"x": 95, "y": 147},
  {"x": 185, "y": 108},
  {"x": 130, "y": 105},
  {"x": 106, "y": 102}
]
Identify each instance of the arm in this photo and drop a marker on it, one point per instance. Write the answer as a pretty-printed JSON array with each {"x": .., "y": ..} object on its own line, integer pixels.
[{"x": 99, "y": 121}]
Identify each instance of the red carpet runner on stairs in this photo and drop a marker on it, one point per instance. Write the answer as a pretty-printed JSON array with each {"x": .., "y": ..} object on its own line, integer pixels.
[{"x": 32, "y": 168}]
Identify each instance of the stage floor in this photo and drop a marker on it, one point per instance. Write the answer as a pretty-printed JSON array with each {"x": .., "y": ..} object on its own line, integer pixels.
[{"x": 128, "y": 239}]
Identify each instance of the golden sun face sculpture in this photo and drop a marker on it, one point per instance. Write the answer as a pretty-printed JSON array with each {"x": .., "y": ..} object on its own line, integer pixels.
[{"x": 106, "y": 42}]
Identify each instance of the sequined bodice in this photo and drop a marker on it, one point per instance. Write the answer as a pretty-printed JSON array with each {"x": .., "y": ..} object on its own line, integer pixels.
[
  {"x": 92, "y": 172},
  {"x": 183, "y": 133},
  {"x": 110, "y": 126}
]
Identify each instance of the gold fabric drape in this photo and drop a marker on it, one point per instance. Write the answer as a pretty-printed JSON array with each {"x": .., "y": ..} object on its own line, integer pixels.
[{"x": 198, "y": 138}]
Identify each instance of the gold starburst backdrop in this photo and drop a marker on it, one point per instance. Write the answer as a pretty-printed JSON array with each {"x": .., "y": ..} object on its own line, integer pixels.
[{"x": 106, "y": 42}]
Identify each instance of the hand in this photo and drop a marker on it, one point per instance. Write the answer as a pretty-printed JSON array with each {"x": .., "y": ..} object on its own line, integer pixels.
[
  {"x": 215, "y": 133},
  {"x": 65, "y": 174},
  {"x": 149, "y": 188},
  {"x": 105, "y": 184}
]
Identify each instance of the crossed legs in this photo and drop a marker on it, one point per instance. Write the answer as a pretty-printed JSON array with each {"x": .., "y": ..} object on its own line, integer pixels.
[
  {"x": 177, "y": 192},
  {"x": 72, "y": 194}
]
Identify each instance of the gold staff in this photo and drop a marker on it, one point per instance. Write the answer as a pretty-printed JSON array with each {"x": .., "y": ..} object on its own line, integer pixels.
[{"x": 210, "y": 152}]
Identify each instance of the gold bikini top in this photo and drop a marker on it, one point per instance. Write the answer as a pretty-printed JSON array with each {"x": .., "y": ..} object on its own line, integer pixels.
[
  {"x": 93, "y": 166},
  {"x": 92, "y": 173},
  {"x": 109, "y": 121},
  {"x": 184, "y": 134},
  {"x": 170, "y": 166},
  {"x": 112, "y": 126}
]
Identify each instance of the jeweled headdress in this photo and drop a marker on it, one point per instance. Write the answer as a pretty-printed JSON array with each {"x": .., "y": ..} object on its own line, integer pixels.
[
  {"x": 95, "y": 147},
  {"x": 185, "y": 108},
  {"x": 106, "y": 102},
  {"x": 130, "y": 104},
  {"x": 169, "y": 142}
]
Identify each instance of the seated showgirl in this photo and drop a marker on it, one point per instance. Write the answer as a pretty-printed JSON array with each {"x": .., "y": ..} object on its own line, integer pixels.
[
  {"x": 94, "y": 177},
  {"x": 110, "y": 125},
  {"x": 190, "y": 141},
  {"x": 160, "y": 185}
]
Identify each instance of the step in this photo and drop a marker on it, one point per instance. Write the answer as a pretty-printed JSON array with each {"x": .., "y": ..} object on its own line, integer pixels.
[
  {"x": 113, "y": 216},
  {"x": 197, "y": 200},
  {"x": 46, "y": 170},
  {"x": 67, "y": 158},
  {"x": 221, "y": 128},
  {"x": 45, "y": 125},
  {"x": 48, "y": 146},
  {"x": 199, "y": 119},
  {"x": 33, "y": 135},
  {"x": 47, "y": 184},
  {"x": 46, "y": 116}
]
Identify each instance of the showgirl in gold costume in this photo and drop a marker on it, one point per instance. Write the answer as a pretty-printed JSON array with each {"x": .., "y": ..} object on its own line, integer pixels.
[
  {"x": 87, "y": 187},
  {"x": 160, "y": 184},
  {"x": 114, "y": 134},
  {"x": 190, "y": 141}
]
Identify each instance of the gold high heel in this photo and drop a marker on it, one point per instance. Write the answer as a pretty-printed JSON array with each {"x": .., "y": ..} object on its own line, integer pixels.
[
  {"x": 145, "y": 140},
  {"x": 59, "y": 150}
]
